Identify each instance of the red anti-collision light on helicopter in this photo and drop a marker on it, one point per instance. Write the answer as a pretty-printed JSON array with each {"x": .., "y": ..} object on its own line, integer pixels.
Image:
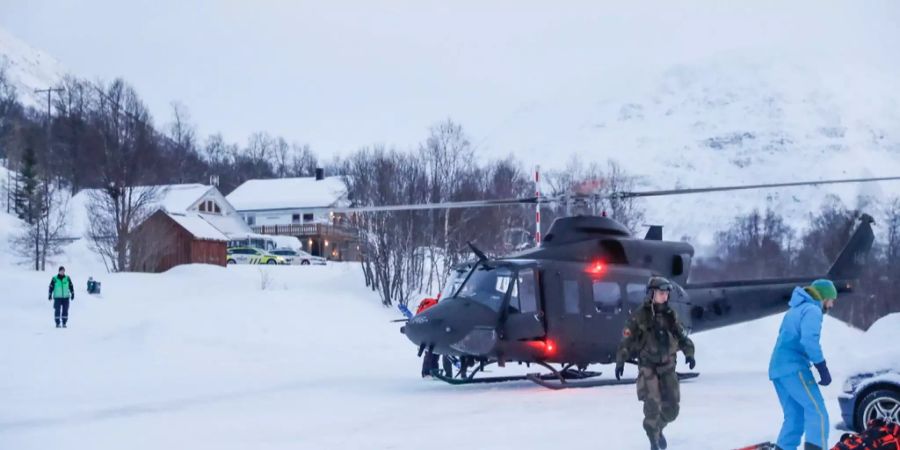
[
  {"x": 547, "y": 346},
  {"x": 597, "y": 268}
]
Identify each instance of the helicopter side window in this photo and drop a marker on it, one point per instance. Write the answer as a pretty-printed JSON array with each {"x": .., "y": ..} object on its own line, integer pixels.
[
  {"x": 636, "y": 292},
  {"x": 523, "y": 297},
  {"x": 677, "y": 265},
  {"x": 571, "y": 296},
  {"x": 607, "y": 296}
]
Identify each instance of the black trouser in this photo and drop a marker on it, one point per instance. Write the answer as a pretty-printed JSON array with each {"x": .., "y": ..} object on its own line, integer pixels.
[
  {"x": 429, "y": 363},
  {"x": 61, "y": 310}
]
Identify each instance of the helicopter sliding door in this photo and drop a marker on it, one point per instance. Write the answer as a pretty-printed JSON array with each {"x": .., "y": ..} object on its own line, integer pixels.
[{"x": 525, "y": 316}]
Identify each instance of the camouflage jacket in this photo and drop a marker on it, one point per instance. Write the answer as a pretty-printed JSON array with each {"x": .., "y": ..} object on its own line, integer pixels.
[{"x": 653, "y": 335}]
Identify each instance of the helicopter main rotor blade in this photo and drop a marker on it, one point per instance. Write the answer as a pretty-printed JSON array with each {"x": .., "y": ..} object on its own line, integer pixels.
[
  {"x": 620, "y": 195},
  {"x": 445, "y": 205},
  {"x": 575, "y": 197}
]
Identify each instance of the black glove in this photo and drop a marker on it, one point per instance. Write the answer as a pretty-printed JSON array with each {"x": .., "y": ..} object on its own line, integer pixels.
[
  {"x": 49, "y": 298},
  {"x": 620, "y": 370},
  {"x": 691, "y": 362},
  {"x": 73, "y": 297},
  {"x": 824, "y": 374}
]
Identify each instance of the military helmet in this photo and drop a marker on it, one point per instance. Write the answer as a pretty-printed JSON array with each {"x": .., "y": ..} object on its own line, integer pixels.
[{"x": 658, "y": 284}]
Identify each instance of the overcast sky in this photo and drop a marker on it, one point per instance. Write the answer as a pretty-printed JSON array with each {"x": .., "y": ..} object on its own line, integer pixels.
[{"x": 341, "y": 74}]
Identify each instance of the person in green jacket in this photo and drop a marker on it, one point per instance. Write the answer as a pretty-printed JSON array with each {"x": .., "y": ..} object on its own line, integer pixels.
[
  {"x": 62, "y": 290},
  {"x": 652, "y": 336}
]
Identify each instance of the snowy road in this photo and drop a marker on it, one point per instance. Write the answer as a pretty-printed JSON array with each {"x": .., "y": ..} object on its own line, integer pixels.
[{"x": 203, "y": 358}]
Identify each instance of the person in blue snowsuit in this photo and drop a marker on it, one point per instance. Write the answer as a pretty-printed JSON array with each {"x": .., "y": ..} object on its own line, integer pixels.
[{"x": 789, "y": 369}]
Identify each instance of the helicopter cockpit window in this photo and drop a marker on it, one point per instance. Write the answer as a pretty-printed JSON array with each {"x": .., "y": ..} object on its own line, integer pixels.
[
  {"x": 523, "y": 297},
  {"x": 607, "y": 296},
  {"x": 487, "y": 286},
  {"x": 454, "y": 280}
]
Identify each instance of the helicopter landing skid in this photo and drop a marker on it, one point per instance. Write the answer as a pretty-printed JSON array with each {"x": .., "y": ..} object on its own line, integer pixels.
[
  {"x": 565, "y": 384},
  {"x": 548, "y": 376}
]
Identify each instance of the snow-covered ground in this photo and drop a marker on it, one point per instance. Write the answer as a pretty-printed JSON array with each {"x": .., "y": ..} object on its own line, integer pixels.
[{"x": 204, "y": 357}]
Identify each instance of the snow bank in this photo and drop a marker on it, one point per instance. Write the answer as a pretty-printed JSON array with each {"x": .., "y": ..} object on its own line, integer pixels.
[{"x": 878, "y": 348}]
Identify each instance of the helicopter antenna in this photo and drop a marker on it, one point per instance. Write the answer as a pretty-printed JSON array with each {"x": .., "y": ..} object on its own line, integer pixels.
[{"x": 481, "y": 256}]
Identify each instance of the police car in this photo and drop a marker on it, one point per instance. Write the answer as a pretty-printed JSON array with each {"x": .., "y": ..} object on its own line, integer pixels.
[
  {"x": 250, "y": 255},
  {"x": 298, "y": 257}
]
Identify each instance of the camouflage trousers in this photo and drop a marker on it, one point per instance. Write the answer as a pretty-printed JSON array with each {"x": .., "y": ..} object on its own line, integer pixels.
[{"x": 657, "y": 387}]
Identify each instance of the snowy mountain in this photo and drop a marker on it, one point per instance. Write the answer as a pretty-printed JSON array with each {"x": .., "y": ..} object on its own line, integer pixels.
[
  {"x": 731, "y": 120},
  {"x": 28, "y": 68}
]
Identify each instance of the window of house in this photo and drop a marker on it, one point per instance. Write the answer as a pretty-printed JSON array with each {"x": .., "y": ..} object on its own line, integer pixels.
[
  {"x": 295, "y": 218},
  {"x": 607, "y": 295},
  {"x": 209, "y": 206},
  {"x": 307, "y": 218},
  {"x": 251, "y": 219},
  {"x": 571, "y": 296}
]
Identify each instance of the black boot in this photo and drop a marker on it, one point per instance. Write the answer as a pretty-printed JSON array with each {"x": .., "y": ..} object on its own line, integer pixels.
[
  {"x": 57, "y": 324},
  {"x": 64, "y": 325},
  {"x": 654, "y": 443},
  {"x": 662, "y": 441},
  {"x": 808, "y": 446}
]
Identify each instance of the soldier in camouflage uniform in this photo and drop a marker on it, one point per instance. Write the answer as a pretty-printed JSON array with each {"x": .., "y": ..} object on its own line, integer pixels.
[{"x": 653, "y": 335}]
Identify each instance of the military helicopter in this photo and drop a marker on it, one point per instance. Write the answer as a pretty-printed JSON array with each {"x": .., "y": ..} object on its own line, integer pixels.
[{"x": 565, "y": 301}]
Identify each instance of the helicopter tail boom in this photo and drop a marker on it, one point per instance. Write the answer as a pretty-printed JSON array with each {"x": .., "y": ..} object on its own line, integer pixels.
[{"x": 714, "y": 305}]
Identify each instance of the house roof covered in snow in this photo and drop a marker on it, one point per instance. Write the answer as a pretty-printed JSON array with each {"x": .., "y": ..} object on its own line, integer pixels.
[
  {"x": 288, "y": 193},
  {"x": 173, "y": 198},
  {"x": 197, "y": 226},
  {"x": 180, "y": 197}
]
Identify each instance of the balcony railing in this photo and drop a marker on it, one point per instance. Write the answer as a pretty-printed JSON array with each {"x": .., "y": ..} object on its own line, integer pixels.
[{"x": 305, "y": 229}]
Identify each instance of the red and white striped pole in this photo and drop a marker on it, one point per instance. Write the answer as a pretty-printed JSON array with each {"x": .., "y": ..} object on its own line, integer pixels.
[{"x": 537, "y": 205}]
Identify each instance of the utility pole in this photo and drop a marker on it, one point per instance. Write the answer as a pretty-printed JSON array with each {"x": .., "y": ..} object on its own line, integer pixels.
[
  {"x": 42, "y": 225},
  {"x": 49, "y": 91}
]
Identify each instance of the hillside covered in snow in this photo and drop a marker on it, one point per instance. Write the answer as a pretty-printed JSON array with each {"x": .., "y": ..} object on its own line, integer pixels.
[{"x": 29, "y": 69}]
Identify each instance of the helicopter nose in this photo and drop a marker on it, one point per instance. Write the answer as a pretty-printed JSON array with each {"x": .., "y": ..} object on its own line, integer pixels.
[
  {"x": 445, "y": 327},
  {"x": 420, "y": 328}
]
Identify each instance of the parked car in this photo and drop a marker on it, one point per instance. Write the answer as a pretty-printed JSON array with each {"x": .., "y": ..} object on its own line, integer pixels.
[
  {"x": 250, "y": 255},
  {"x": 299, "y": 257},
  {"x": 871, "y": 395}
]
